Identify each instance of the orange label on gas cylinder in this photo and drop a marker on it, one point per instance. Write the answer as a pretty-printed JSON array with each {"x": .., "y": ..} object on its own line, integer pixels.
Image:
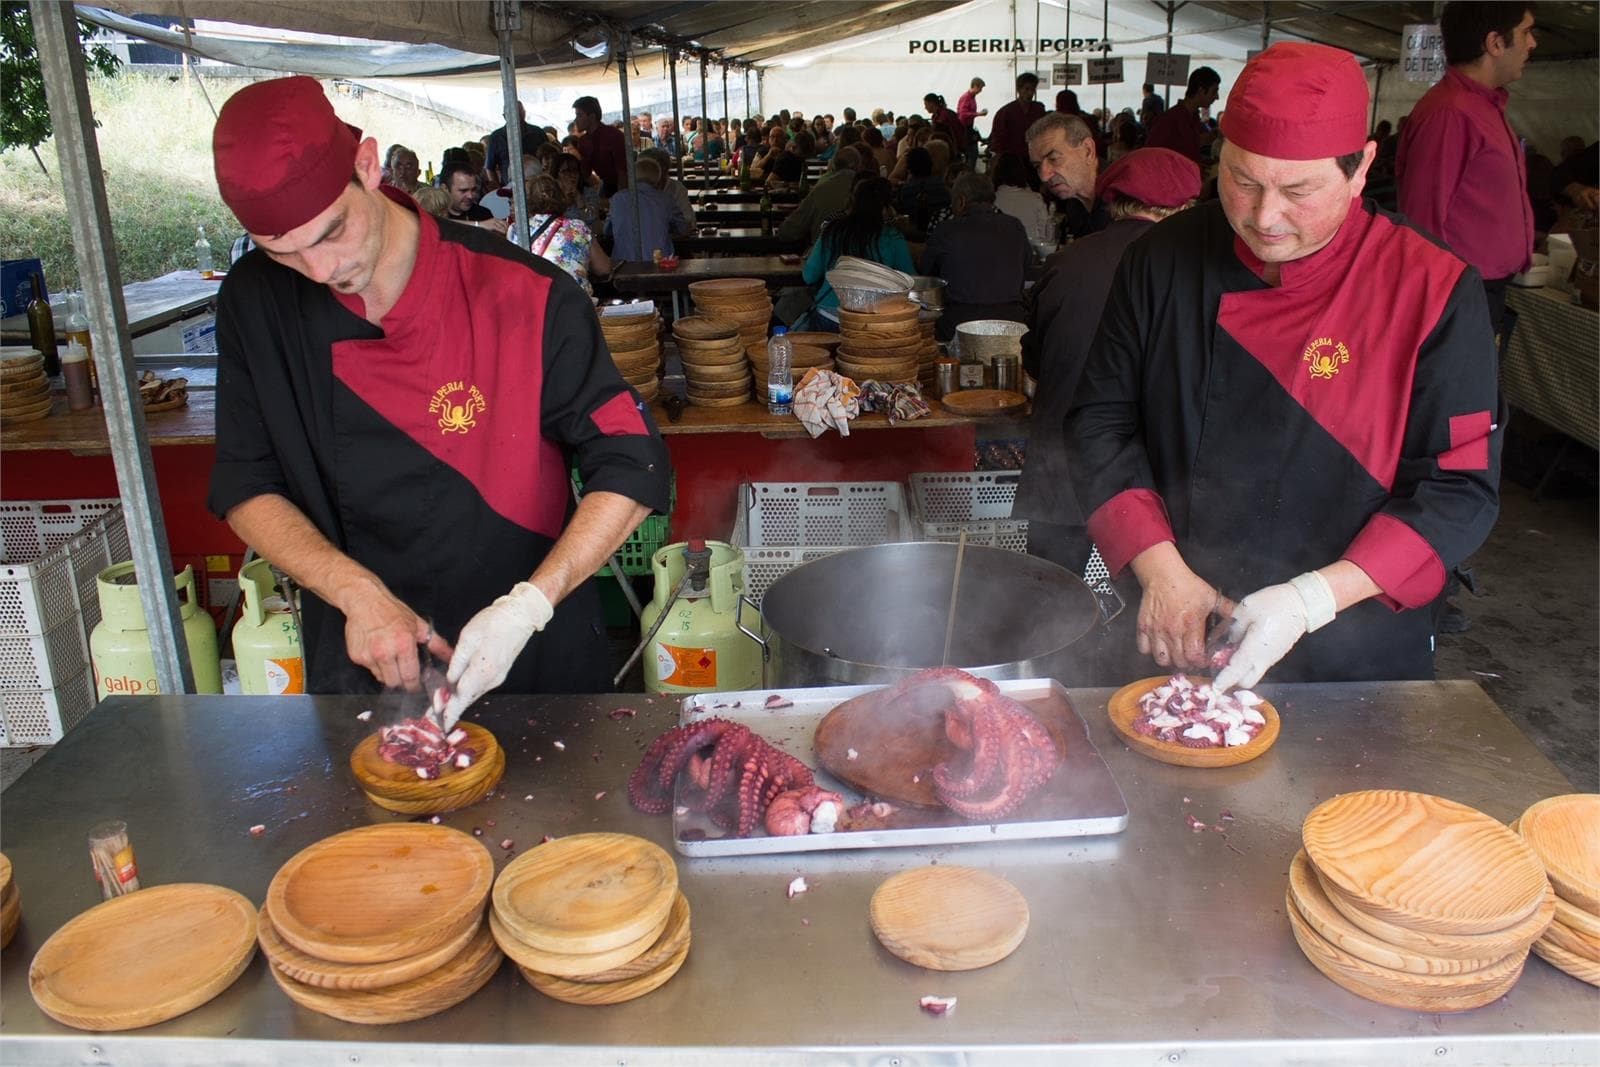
[
  {"x": 285, "y": 676},
  {"x": 692, "y": 668},
  {"x": 127, "y": 870}
]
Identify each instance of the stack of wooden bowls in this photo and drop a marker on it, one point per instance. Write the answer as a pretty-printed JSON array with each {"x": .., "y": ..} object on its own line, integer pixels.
[
  {"x": 805, "y": 357},
  {"x": 1416, "y": 901},
  {"x": 24, "y": 389},
  {"x": 742, "y": 301},
  {"x": 382, "y": 924},
  {"x": 886, "y": 345},
  {"x": 592, "y": 918},
  {"x": 1564, "y": 832},
  {"x": 714, "y": 364},
  {"x": 397, "y": 788},
  {"x": 636, "y": 349},
  {"x": 10, "y": 903}
]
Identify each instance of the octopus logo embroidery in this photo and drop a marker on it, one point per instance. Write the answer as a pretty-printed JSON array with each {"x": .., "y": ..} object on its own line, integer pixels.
[
  {"x": 458, "y": 406},
  {"x": 1325, "y": 356}
]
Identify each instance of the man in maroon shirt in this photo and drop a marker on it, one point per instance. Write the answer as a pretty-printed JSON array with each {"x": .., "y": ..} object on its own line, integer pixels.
[
  {"x": 1180, "y": 128},
  {"x": 1009, "y": 134},
  {"x": 600, "y": 146},
  {"x": 967, "y": 113},
  {"x": 1460, "y": 167}
]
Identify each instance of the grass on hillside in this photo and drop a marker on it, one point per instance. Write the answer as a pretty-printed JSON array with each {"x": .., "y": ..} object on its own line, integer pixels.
[{"x": 155, "y": 149}]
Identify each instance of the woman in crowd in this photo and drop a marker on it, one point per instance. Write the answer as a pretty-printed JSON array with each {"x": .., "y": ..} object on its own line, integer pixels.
[
  {"x": 872, "y": 137},
  {"x": 915, "y": 138},
  {"x": 865, "y": 230},
  {"x": 1013, "y": 197},
  {"x": 567, "y": 242},
  {"x": 581, "y": 199}
]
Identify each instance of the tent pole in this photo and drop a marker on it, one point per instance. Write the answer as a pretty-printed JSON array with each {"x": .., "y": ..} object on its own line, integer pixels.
[
  {"x": 1166, "y": 90},
  {"x": 705, "y": 106},
  {"x": 1266, "y": 24},
  {"x": 628, "y": 143},
  {"x": 761, "y": 95},
  {"x": 677, "y": 122},
  {"x": 508, "y": 20},
  {"x": 725, "y": 112},
  {"x": 1105, "y": 29},
  {"x": 746, "y": 96},
  {"x": 55, "y": 30}
]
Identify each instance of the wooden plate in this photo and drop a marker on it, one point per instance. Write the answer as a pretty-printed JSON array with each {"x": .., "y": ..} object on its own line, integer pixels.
[
  {"x": 703, "y": 328},
  {"x": 13, "y": 391},
  {"x": 815, "y": 339},
  {"x": 730, "y": 358},
  {"x": 713, "y": 375},
  {"x": 853, "y": 354},
  {"x": 638, "y": 327},
  {"x": 390, "y": 783},
  {"x": 1561, "y": 959},
  {"x": 887, "y": 311},
  {"x": 594, "y": 994},
  {"x": 1450, "y": 946},
  {"x": 647, "y": 392},
  {"x": 733, "y": 309},
  {"x": 569, "y": 965},
  {"x": 586, "y": 893},
  {"x": 985, "y": 403},
  {"x": 306, "y": 968},
  {"x": 717, "y": 402},
  {"x": 144, "y": 958},
  {"x": 647, "y": 364},
  {"x": 167, "y": 405},
  {"x": 729, "y": 287},
  {"x": 1564, "y": 832},
  {"x": 647, "y": 348},
  {"x": 24, "y": 408},
  {"x": 1328, "y": 921},
  {"x": 418, "y": 998},
  {"x": 719, "y": 390},
  {"x": 877, "y": 341},
  {"x": 800, "y": 355},
  {"x": 42, "y": 413},
  {"x": 949, "y": 918},
  {"x": 1123, "y": 709},
  {"x": 380, "y": 893},
  {"x": 1424, "y": 862},
  {"x": 673, "y": 938},
  {"x": 5, "y": 873},
  {"x": 10, "y": 913},
  {"x": 894, "y": 332},
  {"x": 20, "y": 366},
  {"x": 1575, "y": 918},
  {"x": 1570, "y": 940},
  {"x": 1353, "y": 975}
]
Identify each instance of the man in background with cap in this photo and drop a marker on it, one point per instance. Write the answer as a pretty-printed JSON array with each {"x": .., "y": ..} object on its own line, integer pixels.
[
  {"x": 1290, "y": 399},
  {"x": 398, "y": 403}
]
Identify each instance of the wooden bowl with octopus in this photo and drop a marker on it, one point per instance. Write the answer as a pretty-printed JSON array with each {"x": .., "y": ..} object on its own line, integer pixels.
[
  {"x": 1123, "y": 710},
  {"x": 398, "y": 789}
]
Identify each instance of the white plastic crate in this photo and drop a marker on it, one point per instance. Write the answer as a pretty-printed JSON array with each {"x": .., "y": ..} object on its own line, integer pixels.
[
  {"x": 978, "y": 502},
  {"x": 780, "y": 525},
  {"x": 51, "y": 552}
]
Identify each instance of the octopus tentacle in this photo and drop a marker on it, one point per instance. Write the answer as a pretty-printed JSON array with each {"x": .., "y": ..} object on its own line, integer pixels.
[
  {"x": 729, "y": 752},
  {"x": 691, "y": 737},
  {"x": 642, "y": 792}
]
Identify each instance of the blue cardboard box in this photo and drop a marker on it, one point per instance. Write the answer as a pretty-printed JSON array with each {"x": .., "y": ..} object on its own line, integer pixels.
[{"x": 16, "y": 285}]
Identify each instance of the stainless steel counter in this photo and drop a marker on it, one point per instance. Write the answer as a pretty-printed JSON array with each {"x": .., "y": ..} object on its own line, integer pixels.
[{"x": 1160, "y": 944}]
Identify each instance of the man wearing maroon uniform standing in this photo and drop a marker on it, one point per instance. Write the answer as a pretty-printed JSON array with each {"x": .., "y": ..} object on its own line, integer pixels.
[
  {"x": 398, "y": 404},
  {"x": 1180, "y": 128},
  {"x": 1290, "y": 399},
  {"x": 601, "y": 147}
]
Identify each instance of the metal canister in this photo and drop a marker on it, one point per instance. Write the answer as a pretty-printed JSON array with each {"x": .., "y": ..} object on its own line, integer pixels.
[
  {"x": 946, "y": 377},
  {"x": 1005, "y": 372}
]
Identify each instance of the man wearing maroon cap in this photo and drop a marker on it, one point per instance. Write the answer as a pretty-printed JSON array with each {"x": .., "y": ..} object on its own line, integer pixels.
[
  {"x": 398, "y": 404},
  {"x": 1290, "y": 396}
]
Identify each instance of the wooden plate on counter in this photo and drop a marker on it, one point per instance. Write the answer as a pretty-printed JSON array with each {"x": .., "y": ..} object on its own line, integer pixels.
[
  {"x": 1424, "y": 862},
  {"x": 714, "y": 287},
  {"x": 593, "y": 994},
  {"x": 1450, "y": 946},
  {"x": 144, "y": 958},
  {"x": 380, "y": 893},
  {"x": 311, "y": 970},
  {"x": 1123, "y": 710},
  {"x": 1575, "y": 918},
  {"x": 1570, "y": 962},
  {"x": 704, "y": 328},
  {"x": 1570, "y": 940},
  {"x": 984, "y": 403},
  {"x": 568, "y": 965},
  {"x": 718, "y": 402},
  {"x": 949, "y": 918},
  {"x": 1564, "y": 832},
  {"x": 418, "y": 998},
  {"x": 814, "y": 339},
  {"x": 586, "y": 893},
  {"x": 392, "y": 786},
  {"x": 673, "y": 939}
]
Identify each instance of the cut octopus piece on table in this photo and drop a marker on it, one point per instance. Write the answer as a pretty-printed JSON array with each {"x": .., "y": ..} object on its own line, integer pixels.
[
  {"x": 733, "y": 775},
  {"x": 811, "y": 810},
  {"x": 1197, "y": 716},
  {"x": 421, "y": 745}
]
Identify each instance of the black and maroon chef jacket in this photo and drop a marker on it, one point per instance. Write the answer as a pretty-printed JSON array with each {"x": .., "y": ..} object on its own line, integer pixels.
[
  {"x": 433, "y": 450},
  {"x": 1345, "y": 413}
]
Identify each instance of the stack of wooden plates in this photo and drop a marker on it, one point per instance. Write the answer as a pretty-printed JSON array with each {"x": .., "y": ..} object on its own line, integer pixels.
[
  {"x": 24, "y": 389},
  {"x": 714, "y": 365},
  {"x": 742, "y": 301},
  {"x": 397, "y": 787},
  {"x": 1416, "y": 901},
  {"x": 1565, "y": 834},
  {"x": 805, "y": 357},
  {"x": 929, "y": 355},
  {"x": 381, "y": 924},
  {"x": 635, "y": 349},
  {"x": 592, "y": 918},
  {"x": 10, "y": 903},
  {"x": 886, "y": 345}
]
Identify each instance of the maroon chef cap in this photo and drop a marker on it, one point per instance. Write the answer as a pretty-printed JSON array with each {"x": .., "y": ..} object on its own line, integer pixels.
[
  {"x": 1299, "y": 101},
  {"x": 282, "y": 156},
  {"x": 1159, "y": 177}
]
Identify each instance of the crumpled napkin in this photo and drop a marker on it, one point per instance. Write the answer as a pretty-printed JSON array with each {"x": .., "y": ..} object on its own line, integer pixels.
[
  {"x": 901, "y": 401},
  {"x": 826, "y": 399}
]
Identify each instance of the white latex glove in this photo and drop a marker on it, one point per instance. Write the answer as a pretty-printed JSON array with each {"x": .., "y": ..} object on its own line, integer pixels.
[
  {"x": 490, "y": 643},
  {"x": 1267, "y": 623}
]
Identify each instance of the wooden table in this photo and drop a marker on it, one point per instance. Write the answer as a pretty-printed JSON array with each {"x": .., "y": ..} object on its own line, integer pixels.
[
  {"x": 151, "y": 304},
  {"x": 648, "y": 278},
  {"x": 742, "y": 214},
  {"x": 83, "y": 433},
  {"x": 752, "y": 196},
  {"x": 748, "y": 240}
]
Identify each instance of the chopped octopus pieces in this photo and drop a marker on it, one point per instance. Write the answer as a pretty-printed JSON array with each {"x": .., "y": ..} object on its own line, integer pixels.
[
  {"x": 618, "y": 714},
  {"x": 365, "y": 715},
  {"x": 258, "y": 829},
  {"x": 422, "y": 746},
  {"x": 937, "y": 1005},
  {"x": 797, "y": 887},
  {"x": 776, "y": 701},
  {"x": 1197, "y": 716}
]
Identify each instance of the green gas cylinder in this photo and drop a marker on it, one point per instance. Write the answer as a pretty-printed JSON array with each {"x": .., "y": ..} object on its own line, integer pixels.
[
  {"x": 699, "y": 647},
  {"x": 266, "y": 640},
  {"x": 119, "y": 647}
]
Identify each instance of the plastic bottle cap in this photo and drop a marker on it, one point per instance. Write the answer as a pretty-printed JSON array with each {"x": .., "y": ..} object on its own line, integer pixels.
[
  {"x": 779, "y": 330},
  {"x": 74, "y": 353}
]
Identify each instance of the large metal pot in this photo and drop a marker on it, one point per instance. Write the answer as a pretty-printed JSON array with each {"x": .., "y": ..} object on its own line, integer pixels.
[{"x": 877, "y": 614}]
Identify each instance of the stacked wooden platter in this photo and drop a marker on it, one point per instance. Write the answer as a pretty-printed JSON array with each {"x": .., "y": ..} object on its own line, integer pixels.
[
  {"x": 805, "y": 357},
  {"x": 742, "y": 301},
  {"x": 144, "y": 958},
  {"x": 1416, "y": 901},
  {"x": 886, "y": 345},
  {"x": 382, "y": 924},
  {"x": 397, "y": 787},
  {"x": 715, "y": 369},
  {"x": 1564, "y": 832},
  {"x": 634, "y": 341},
  {"x": 10, "y": 903},
  {"x": 928, "y": 321},
  {"x": 949, "y": 918},
  {"x": 592, "y": 918},
  {"x": 24, "y": 389}
]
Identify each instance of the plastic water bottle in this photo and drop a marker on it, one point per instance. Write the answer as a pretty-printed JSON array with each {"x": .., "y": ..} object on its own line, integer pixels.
[
  {"x": 780, "y": 373},
  {"x": 202, "y": 254}
]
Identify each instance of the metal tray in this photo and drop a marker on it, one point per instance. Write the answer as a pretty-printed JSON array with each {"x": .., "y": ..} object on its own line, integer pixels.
[{"x": 1082, "y": 799}]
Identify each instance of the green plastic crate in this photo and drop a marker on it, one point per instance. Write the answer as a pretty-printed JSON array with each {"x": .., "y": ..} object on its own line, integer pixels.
[{"x": 644, "y": 542}]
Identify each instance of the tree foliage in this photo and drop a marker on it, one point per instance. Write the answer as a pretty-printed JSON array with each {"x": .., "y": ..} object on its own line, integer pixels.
[{"x": 25, "y": 118}]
